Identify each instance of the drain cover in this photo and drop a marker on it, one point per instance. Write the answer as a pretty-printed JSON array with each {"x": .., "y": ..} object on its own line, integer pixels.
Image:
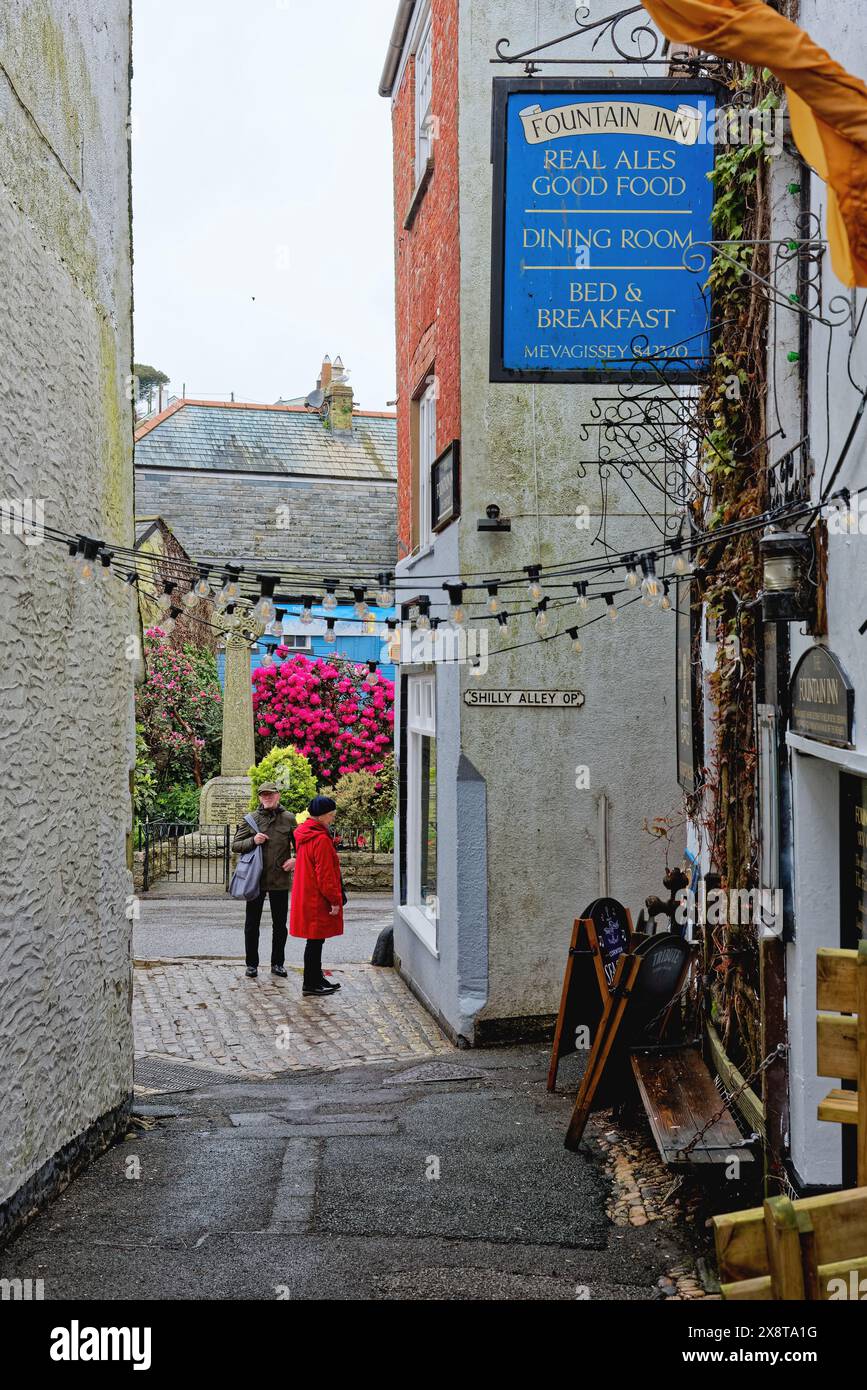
[
  {"x": 153, "y": 1076},
  {"x": 435, "y": 1071}
]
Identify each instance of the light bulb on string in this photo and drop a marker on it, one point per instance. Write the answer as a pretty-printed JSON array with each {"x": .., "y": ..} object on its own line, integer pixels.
[
  {"x": 276, "y": 628},
  {"x": 680, "y": 561},
  {"x": 371, "y": 679},
  {"x": 393, "y": 641},
  {"x": 307, "y": 611},
  {"x": 533, "y": 583},
  {"x": 385, "y": 597},
  {"x": 190, "y": 600},
  {"x": 631, "y": 572},
  {"x": 330, "y": 599},
  {"x": 85, "y": 559},
  {"x": 361, "y": 609},
  {"x": 577, "y": 644},
  {"x": 167, "y": 624},
  {"x": 231, "y": 590},
  {"x": 457, "y": 615},
  {"x": 544, "y": 624},
  {"x": 476, "y": 670},
  {"x": 665, "y": 601},
  {"x": 610, "y": 607},
  {"x": 265, "y": 610},
  {"x": 581, "y": 598},
  {"x": 202, "y": 588},
  {"x": 422, "y": 622},
  {"x": 106, "y": 558},
  {"x": 164, "y": 600},
  {"x": 504, "y": 626},
  {"x": 650, "y": 585},
  {"x": 330, "y": 634},
  {"x": 493, "y": 605},
  {"x": 267, "y": 660}
]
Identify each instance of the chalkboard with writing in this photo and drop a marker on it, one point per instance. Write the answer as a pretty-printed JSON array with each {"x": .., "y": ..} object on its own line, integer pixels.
[
  {"x": 613, "y": 930},
  {"x": 599, "y": 938}
]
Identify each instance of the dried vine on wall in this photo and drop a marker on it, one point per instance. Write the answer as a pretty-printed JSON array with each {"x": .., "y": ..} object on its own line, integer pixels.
[{"x": 734, "y": 462}]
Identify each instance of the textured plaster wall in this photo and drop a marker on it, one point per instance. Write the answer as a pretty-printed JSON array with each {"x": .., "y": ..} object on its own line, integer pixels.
[
  {"x": 66, "y": 679},
  {"x": 543, "y": 837}
]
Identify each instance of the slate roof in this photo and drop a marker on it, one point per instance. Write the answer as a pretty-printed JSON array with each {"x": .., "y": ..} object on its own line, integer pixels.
[
  {"x": 245, "y": 483},
  {"x": 268, "y": 439}
]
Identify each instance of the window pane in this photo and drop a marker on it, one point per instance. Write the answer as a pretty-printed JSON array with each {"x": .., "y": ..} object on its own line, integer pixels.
[
  {"x": 423, "y": 89},
  {"x": 428, "y": 822}
]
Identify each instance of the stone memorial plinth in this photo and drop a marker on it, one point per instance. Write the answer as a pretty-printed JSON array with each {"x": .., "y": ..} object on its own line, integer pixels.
[{"x": 227, "y": 797}]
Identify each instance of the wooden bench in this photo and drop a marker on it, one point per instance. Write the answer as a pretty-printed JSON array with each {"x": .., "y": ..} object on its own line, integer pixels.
[
  {"x": 680, "y": 1098},
  {"x": 841, "y": 1027},
  {"x": 812, "y": 1249}
]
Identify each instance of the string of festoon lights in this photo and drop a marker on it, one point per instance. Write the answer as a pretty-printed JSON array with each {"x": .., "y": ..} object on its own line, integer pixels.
[{"x": 539, "y": 591}]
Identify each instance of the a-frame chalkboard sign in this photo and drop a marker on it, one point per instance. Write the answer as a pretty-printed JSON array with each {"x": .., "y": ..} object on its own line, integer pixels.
[{"x": 599, "y": 938}]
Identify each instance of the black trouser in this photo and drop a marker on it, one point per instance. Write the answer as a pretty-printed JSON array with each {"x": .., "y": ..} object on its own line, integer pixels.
[
  {"x": 279, "y": 912},
  {"x": 313, "y": 963}
]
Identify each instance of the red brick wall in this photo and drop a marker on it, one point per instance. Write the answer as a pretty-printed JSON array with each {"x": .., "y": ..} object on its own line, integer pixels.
[{"x": 427, "y": 257}]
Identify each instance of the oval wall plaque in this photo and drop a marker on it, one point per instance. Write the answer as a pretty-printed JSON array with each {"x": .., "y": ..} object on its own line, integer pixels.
[{"x": 822, "y": 698}]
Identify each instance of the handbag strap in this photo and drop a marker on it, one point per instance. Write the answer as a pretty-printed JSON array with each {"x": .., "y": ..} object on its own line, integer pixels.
[{"x": 251, "y": 821}]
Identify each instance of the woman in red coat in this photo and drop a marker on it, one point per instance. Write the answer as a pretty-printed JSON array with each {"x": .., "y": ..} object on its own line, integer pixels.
[{"x": 317, "y": 892}]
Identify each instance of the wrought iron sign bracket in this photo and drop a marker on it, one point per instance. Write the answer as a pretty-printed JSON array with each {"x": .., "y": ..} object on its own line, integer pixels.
[{"x": 639, "y": 44}]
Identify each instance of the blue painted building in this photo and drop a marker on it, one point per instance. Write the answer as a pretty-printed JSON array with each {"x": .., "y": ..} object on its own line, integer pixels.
[{"x": 354, "y": 641}]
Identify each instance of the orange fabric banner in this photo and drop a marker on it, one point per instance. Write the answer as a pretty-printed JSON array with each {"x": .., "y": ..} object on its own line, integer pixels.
[{"x": 827, "y": 105}]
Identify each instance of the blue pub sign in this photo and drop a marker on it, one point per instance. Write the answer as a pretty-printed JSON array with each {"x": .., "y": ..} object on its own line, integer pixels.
[{"x": 602, "y": 207}]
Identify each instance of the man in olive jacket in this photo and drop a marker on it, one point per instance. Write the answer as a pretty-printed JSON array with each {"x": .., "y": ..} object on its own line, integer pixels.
[{"x": 275, "y": 835}]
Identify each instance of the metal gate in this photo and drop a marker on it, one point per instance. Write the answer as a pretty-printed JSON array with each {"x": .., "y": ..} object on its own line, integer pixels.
[{"x": 185, "y": 852}]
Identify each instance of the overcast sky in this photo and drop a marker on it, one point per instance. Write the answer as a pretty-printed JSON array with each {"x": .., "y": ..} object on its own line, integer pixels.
[{"x": 262, "y": 195}]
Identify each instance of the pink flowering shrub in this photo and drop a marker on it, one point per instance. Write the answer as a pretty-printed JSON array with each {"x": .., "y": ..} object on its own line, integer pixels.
[
  {"x": 179, "y": 710},
  {"x": 325, "y": 710}
]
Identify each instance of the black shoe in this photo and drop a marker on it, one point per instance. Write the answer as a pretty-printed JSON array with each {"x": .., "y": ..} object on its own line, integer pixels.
[
  {"x": 329, "y": 984},
  {"x": 278, "y": 970},
  {"x": 322, "y": 990},
  {"x": 252, "y": 971}
]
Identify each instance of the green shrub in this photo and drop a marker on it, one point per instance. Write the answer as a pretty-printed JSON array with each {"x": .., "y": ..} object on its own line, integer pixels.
[
  {"x": 356, "y": 796},
  {"x": 179, "y": 803},
  {"x": 291, "y": 772},
  {"x": 385, "y": 803},
  {"x": 385, "y": 836},
  {"x": 145, "y": 778}
]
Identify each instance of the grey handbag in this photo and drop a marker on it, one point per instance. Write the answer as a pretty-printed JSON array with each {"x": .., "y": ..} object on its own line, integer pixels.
[{"x": 248, "y": 873}]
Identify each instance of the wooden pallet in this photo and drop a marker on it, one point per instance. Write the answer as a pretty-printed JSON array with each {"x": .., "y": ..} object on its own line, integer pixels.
[{"x": 679, "y": 1096}]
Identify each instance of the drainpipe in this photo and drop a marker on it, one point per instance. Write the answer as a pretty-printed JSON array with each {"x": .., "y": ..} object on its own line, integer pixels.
[{"x": 395, "y": 46}]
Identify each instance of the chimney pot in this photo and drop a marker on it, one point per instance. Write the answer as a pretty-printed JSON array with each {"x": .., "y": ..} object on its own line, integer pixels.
[{"x": 337, "y": 399}]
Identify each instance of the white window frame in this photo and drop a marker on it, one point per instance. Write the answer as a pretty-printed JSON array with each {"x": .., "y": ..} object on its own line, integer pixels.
[
  {"x": 420, "y": 723},
  {"x": 427, "y": 452},
  {"x": 423, "y": 97}
]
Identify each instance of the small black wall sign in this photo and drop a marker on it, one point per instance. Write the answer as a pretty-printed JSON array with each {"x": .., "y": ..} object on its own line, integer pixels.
[{"x": 445, "y": 493}]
